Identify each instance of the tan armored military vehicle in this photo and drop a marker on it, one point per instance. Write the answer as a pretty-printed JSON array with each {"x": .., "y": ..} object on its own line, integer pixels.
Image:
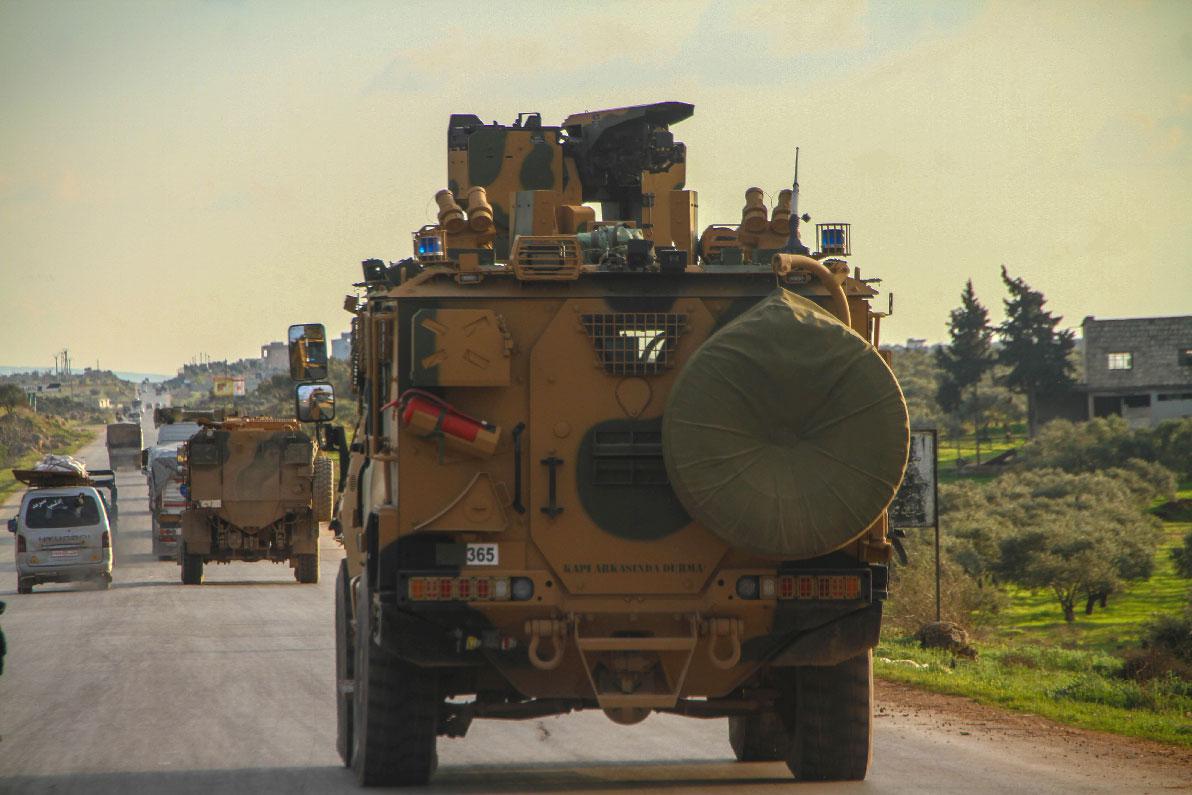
[
  {"x": 619, "y": 464},
  {"x": 255, "y": 490}
]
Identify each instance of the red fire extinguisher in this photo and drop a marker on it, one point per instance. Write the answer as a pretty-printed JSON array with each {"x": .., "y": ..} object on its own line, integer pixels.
[{"x": 430, "y": 416}]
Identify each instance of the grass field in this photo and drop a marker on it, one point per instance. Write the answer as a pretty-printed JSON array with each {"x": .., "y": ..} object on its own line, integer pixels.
[
  {"x": 1078, "y": 687},
  {"x": 1031, "y": 660},
  {"x": 69, "y": 441},
  {"x": 966, "y": 449}
]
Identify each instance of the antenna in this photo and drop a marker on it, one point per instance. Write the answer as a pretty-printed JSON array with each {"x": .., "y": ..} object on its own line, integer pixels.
[{"x": 793, "y": 244}]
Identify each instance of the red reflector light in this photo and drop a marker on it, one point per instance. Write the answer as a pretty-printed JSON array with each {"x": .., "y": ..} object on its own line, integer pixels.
[
  {"x": 107, "y": 540},
  {"x": 440, "y": 589},
  {"x": 821, "y": 586},
  {"x": 21, "y": 544}
]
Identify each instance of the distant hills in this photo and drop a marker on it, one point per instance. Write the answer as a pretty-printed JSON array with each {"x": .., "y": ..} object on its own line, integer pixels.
[{"x": 125, "y": 376}]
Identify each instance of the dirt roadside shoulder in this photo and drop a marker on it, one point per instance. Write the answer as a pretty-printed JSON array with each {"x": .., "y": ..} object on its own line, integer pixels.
[{"x": 1137, "y": 764}]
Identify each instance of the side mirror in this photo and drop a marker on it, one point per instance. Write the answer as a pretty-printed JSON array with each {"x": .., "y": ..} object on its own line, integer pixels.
[
  {"x": 12, "y": 525},
  {"x": 314, "y": 402},
  {"x": 145, "y": 458},
  {"x": 308, "y": 352}
]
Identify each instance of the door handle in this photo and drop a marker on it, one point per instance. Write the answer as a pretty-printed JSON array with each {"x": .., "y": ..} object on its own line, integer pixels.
[{"x": 552, "y": 508}]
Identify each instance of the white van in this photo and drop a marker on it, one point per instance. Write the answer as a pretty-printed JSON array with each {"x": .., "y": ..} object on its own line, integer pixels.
[{"x": 63, "y": 534}]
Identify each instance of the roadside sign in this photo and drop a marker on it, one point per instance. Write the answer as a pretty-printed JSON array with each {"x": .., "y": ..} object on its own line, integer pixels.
[{"x": 915, "y": 503}]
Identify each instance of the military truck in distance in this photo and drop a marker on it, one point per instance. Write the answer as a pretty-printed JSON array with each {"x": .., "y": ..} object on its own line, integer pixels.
[
  {"x": 256, "y": 489},
  {"x": 124, "y": 441},
  {"x": 619, "y": 464}
]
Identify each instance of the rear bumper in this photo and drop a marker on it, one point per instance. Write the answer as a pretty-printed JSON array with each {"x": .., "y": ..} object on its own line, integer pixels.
[{"x": 63, "y": 572}]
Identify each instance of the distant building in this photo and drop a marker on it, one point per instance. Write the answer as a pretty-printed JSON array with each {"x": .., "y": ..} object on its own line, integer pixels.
[
  {"x": 913, "y": 344},
  {"x": 1138, "y": 368},
  {"x": 341, "y": 348},
  {"x": 275, "y": 356}
]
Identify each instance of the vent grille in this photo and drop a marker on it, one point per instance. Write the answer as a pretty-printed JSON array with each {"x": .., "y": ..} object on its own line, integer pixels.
[
  {"x": 546, "y": 257},
  {"x": 640, "y": 343}
]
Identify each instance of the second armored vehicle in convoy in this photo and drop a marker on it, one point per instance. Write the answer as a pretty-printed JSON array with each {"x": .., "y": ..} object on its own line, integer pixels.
[
  {"x": 621, "y": 464},
  {"x": 255, "y": 489}
]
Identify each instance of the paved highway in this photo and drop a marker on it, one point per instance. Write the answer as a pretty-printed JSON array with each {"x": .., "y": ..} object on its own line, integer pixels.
[{"x": 227, "y": 687}]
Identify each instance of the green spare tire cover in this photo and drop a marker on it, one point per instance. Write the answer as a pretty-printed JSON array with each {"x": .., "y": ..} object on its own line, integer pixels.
[{"x": 786, "y": 433}]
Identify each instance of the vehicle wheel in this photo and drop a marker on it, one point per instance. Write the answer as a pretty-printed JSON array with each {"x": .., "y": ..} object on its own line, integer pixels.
[
  {"x": 324, "y": 488},
  {"x": 344, "y": 654},
  {"x": 24, "y": 585},
  {"x": 394, "y": 712},
  {"x": 759, "y": 738},
  {"x": 833, "y": 726},
  {"x": 192, "y": 568},
  {"x": 306, "y": 568}
]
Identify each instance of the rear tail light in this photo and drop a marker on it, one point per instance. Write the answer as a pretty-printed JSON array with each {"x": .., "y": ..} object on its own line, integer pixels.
[
  {"x": 841, "y": 587},
  {"x": 107, "y": 540},
  {"x": 462, "y": 589},
  {"x": 819, "y": 586},
  {"x": 21, "y": 544}
]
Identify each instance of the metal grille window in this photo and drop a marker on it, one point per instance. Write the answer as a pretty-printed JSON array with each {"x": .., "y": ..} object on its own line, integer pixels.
[
  {"x": 1121, "y": 361},
  {"x": 628, "y": 456},
  {"x": 639, "y": 343}
]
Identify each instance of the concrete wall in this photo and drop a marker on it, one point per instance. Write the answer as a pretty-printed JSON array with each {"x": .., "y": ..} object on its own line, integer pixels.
[{"x": 1155, "y": 343}]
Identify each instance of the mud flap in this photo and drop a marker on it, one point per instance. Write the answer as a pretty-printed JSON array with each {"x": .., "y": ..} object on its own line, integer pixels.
[
  {"x": 196, "y": 533},
  {"x": 833, "y": 643}
]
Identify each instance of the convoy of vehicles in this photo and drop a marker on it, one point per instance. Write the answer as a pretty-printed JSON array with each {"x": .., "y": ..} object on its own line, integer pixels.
[
  {"x": 619, "y": 464},
  {"x": 64, "y": 527},
  {"x": 256, "y": 489}
]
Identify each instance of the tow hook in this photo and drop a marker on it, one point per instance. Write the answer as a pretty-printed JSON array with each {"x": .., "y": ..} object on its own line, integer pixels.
[
  {"x": 717, "y": 628},
  {"x": 553, "y": 630}
]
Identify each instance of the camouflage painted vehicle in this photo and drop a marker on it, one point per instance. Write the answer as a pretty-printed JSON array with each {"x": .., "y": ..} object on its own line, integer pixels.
[
  {"x": 255, "y": 490},
  {"x": 620, "y": 464}
]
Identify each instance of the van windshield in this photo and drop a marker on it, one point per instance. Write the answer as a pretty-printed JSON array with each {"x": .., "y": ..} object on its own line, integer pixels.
[{"x": 73, "y": 510}]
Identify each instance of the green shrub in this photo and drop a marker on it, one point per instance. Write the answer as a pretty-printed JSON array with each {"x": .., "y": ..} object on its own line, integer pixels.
[
  {"x": 1182, "y": 556},
  {"x": 1093, "y": 689},
  {"x": 1172, "y": 634},
  {"x": 1106, "y": 442}
]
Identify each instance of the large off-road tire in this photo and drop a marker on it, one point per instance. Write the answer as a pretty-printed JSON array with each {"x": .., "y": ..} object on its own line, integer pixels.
[
  {"x": 759, "y": 738},
  {"x": 324, "y": 487},
  {"x": 192, "y": 567},
  {"x": 833, "y": 726},
  {"x": 394, "y": 712},
  {"x": 345, "y": 653},
  {"x": 306, "y": 568},
  {"x": 24, "y": 585}
]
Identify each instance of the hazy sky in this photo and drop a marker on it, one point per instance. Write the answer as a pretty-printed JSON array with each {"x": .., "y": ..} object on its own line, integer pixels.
[{"x": 184, "y": 178}]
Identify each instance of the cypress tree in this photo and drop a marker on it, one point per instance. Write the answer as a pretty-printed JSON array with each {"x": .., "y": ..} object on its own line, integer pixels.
[
  {"x": 967, "y": 358},
  {"x": 1033, "y": 349}
]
